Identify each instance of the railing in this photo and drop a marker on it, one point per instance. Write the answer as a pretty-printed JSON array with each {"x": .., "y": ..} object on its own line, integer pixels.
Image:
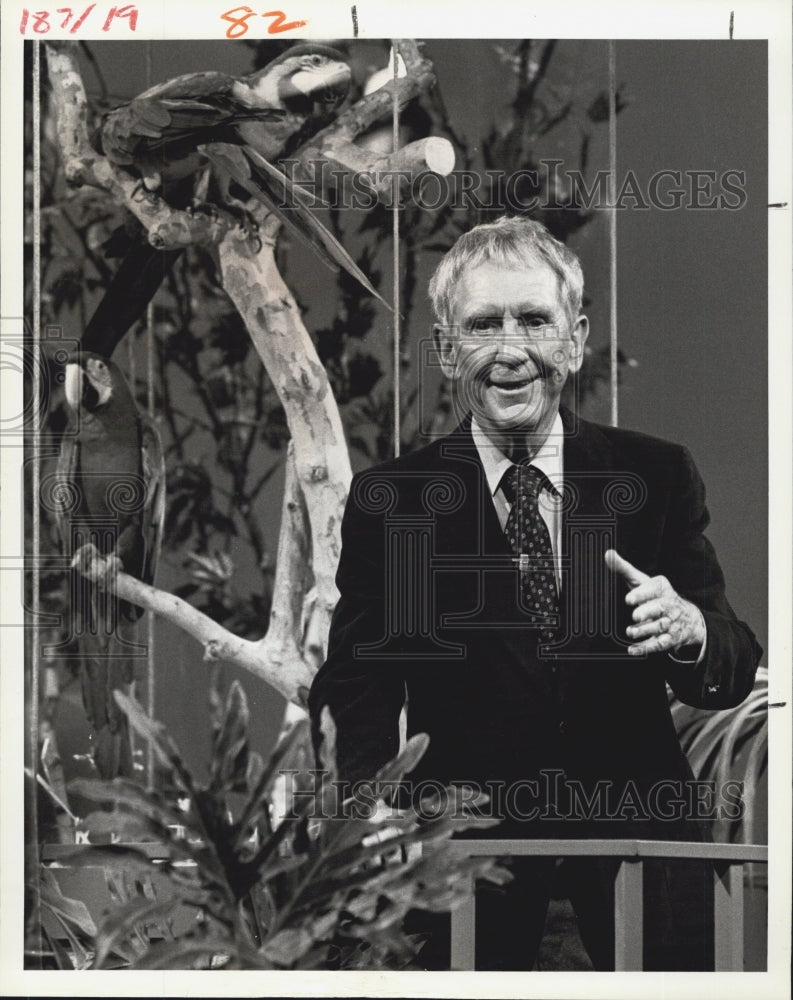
[
  {"x": 728, "y": 883},
  {"x": 728, "y": 860}
]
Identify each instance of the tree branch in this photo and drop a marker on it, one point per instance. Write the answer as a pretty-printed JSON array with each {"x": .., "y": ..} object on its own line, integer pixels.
[
  {"x": 379, "y": 173},
  {"x": 267, "y": 306},
  {"x": 275, "y": 658}
]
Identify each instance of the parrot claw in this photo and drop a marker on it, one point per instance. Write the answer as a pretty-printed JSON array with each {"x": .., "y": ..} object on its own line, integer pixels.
[
  {"x": 142, "y": 194},
  {"x": 250, "y": 229},
  {"x": 95, "y": 567},
  {"x": 153, "y": 181},
  {"x": 246, "y": 223},
  {"x": 245, "y": 220},
  {"x": 204, "y": 208}
]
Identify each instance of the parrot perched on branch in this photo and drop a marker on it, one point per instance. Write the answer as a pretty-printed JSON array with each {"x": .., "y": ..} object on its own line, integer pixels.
[
  {"x": 237, "y": 126},
  {"x": 158, "y": 132},
  {"x": 110, "y": 478}
]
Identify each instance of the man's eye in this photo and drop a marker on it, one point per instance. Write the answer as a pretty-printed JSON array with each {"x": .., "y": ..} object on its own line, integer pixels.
[
  {"x": 484, "y": 324},
  {"x": 534, "y": 322}
]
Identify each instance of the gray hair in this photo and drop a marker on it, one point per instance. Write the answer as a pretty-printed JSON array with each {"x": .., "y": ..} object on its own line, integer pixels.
[{"x": 510, "y": 241}]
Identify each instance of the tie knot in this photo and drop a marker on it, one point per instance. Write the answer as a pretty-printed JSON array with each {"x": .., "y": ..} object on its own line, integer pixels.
[{"x": 524, "y": 480}]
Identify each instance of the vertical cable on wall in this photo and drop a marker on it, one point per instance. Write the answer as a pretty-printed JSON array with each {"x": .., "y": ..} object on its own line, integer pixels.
[
  {"x": 35, "y": 573},
  {"x": 395, "y": 211},
  {"x": 614, "y": 368},
  {"x": 150, "y": 617},
  {"x": 150, "y": 680}
]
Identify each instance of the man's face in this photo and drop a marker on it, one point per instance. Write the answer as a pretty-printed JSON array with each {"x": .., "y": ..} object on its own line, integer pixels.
[{"x": 510, "y": 346}]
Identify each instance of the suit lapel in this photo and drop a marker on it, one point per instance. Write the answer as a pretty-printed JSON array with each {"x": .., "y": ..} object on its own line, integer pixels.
[
  {"x": 477, "y": 519},
  {"x": 593, "y": 610},
  {"x": 481, "y": 590},
  {"x": 588, "y": 468}
]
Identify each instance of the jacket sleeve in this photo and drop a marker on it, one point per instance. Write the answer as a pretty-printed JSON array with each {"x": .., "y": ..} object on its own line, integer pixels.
[
  {"x": 724, "y": 676},
  {"x": 362, "y": 688}
]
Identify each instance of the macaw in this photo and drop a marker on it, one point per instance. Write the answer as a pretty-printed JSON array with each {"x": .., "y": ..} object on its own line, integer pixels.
[
  {"x": 158, "y": 133},
  {"x": 238, "y": 125},
  {"x": 112, "y": 474}
]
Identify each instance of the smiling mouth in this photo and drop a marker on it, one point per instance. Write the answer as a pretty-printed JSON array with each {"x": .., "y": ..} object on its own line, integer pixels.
[{"x": 509, "y": 385}]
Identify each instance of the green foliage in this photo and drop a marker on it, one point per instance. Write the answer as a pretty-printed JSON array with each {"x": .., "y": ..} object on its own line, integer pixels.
[
  {"x": 729, "y": 745},
  {"x": 321, "y": 883},
  {"x": 64, "y": 920}
]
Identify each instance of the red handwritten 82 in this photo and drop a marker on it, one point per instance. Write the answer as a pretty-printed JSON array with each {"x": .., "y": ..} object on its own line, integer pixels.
[
  {"x": 39, "y": 20},
  {"x": 239, "y": 25}
]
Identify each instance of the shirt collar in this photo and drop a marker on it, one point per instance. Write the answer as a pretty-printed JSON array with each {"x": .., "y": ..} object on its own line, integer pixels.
[{"x": 549, "y": 457}]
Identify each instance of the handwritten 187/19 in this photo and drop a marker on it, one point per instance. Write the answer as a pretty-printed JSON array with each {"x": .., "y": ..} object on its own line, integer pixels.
[{"x": 40, "y": 24}]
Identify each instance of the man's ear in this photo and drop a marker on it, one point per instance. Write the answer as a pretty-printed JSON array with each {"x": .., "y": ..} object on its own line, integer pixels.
[
  {"x": 445, "y": 338},
  {"x": 578, "y": 336}
]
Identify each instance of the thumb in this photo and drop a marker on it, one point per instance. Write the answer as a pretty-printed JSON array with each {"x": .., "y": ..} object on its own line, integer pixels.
[{"x": 617, "y": 564}]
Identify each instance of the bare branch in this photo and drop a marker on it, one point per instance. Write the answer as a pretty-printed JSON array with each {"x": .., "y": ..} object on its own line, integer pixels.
[
  {"x": 276, "y": 658},
  {"x": 382, "y": 174},
  {"x": 273, "y": 319}
]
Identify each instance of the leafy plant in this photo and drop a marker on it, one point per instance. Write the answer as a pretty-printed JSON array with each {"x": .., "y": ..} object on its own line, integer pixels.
[
  {"x": 63, "y": 920},
  {"x": 325, "y": 883},
  {"x": 729, "y": 745}
]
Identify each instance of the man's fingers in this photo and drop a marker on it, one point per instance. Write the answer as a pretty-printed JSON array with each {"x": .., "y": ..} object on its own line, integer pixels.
[
  {"x": 656, "y": 644},
  {"x": 648, "y": 629},
  {"x": 649, "y": 609},
  {"x": 617, "y": 564}
]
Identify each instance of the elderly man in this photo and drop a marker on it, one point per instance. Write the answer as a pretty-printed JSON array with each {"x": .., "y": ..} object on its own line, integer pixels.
[{"x": 531, "y": 582}]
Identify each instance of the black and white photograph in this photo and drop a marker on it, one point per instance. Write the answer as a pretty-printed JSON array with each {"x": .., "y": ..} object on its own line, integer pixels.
[{"x": 396, "y": 463}]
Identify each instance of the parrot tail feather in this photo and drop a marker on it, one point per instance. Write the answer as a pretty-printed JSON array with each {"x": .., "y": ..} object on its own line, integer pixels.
[
  {"x": 260, "y": 183},
  {"x": 112, "y": 753}
]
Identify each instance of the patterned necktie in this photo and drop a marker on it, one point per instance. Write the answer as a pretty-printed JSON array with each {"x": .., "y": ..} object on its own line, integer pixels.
[{"x": 529, "y": 539}]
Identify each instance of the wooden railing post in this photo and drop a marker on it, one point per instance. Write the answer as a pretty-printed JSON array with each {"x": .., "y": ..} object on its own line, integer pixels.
[
  {"x": 464, "y": 930},
  {"x": 629, "y": 916},
  {"x": 728, "y": 917}
]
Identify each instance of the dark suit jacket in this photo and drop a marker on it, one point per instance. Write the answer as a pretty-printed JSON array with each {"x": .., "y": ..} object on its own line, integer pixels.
[{"x": 429, "y": 605}]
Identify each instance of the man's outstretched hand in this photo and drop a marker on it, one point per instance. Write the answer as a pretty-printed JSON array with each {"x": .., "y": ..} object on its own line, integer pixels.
[{"x": 664, "y": 621}]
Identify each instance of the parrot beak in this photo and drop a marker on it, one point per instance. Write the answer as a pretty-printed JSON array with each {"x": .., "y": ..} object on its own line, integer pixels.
[
  {"x": 87, "y": 385},
  {"x": 333, "y": 78},
  {"x": 73, "y": 385}
]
